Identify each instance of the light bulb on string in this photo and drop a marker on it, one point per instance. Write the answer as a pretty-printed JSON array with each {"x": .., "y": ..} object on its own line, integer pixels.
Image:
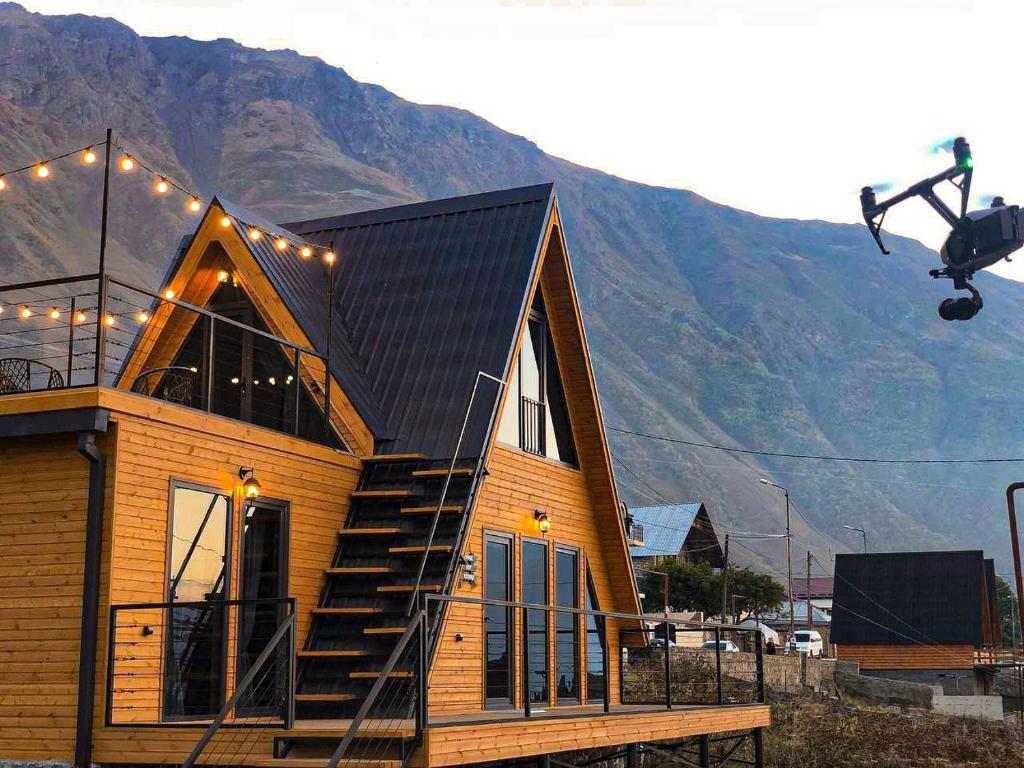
[
  {"x": 225, "y": 221},
  {"x": 223, "y": 276},
  {"x": 41, "y": 171},
  {"x": 161, "y": 187},
  {"x": 88, "y": 156},
  {"x": 126, "y": 163},
  {"x": 80, "y": 317},
  {"x": 143, "y": 316},
  {"x": 254, "y": 233},
  {"x": 193, "y": 205},
  {"x": 169, "y": 294},
  {"x": 108, "y": 320},
  {"x": 281, "y": 244},
  {"x": 3, "y": 184},
  {"x": 24, "y": 312},
  {"x": 306, "y": 252},
  {"x": 329, "y": 257},
  {"x": 54, "y": 313}
]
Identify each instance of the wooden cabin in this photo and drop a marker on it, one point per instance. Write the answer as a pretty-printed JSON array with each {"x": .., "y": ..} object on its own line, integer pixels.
[
  {"x": 337, "y": 492},
  {"x": 920, "y": 616},
  {"x": 682, "y": 532}
]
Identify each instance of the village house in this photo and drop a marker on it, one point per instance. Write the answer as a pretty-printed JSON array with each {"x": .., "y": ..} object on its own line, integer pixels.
[
  {"x": 682, "y": 532},
  {"x": 919, "y": 616},
  {"x": 336, "y": 492}
]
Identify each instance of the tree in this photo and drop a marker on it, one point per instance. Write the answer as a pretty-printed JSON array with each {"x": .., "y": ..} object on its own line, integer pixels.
[
  {"x": 696, "y": 587},
  {"x": 1007, "y": 611}
]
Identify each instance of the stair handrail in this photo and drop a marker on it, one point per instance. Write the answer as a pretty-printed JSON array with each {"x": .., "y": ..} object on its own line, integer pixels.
[
  {"x": 417, "y": 623},
  {"x": 414, "y": 596},
  {"x": 287, "y": 626}
]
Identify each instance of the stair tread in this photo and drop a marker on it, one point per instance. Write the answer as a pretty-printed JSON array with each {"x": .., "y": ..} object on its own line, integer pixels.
[
  {"x": 458, "y": 471},
  {"x": 408, "y": 588},
  {"x": 374, "y": 675},
  {"x": 384, "y": 630},
  {"x": 369, "y": 531},
  {"x": 329, "y": 697},
  {"x": 332, "y": 654},
  {"x": 416, "y": 550},
  {"x": 381, "y": 457},
  {"x": 358, "y": 570},
  {"x": 318, "y": 762},
  {"x": 389, "y": 493},
  {"x": 447, "y": 509},
  {"x": 325, "y": 611}
]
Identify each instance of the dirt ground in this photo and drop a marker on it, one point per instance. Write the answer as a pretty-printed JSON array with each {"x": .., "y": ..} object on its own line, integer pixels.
[{"x": 811, "y": 732}]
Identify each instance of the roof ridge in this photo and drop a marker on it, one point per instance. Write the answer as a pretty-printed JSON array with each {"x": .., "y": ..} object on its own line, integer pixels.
[{"x": 425, "y": 209}]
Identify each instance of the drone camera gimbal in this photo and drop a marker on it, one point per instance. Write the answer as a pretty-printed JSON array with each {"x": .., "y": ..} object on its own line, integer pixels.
[{"x": 977, "y": 239}]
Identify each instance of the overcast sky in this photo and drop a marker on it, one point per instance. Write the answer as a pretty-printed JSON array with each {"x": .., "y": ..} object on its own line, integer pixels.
[{"x": 782, "y": 108}]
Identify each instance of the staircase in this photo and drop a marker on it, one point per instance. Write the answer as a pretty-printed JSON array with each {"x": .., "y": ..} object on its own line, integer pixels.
[{"x": 363, "y": 605}]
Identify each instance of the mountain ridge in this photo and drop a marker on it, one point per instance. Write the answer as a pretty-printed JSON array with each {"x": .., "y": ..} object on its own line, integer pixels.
[{"x": 706, "y": 322}]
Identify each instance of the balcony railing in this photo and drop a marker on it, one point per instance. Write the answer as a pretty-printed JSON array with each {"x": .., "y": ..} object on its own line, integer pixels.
[
  {"x": 52, "y": 337},
  {"x": 177, "y": 663},
  {"x": 532, "y": 424},
  {"x": 634, "y": 533}
]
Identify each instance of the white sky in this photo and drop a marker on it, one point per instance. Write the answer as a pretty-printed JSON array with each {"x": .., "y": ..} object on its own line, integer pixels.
[{"x": 782, "y": 108}]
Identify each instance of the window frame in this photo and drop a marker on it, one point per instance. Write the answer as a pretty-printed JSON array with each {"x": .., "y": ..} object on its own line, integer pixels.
[
  {"x": 509, "y": 539},
  {"x": 548, "y": 644},
  {"x": 577, "y": 553}
]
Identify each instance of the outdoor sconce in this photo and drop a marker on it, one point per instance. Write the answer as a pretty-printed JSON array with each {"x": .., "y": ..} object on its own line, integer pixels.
[
  {"x": 223, "y": 276},
  {"x": 543, "y": 521},
  {"x": 250, "y": 485}
]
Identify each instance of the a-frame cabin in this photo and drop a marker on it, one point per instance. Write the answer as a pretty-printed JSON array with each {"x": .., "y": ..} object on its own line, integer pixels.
[{"x": 315, "y": 512}]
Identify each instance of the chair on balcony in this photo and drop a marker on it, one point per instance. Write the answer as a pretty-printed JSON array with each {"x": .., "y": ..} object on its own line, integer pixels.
[
  {"x": 175, "y": 384},
  {"x": 16, "y": 375}
]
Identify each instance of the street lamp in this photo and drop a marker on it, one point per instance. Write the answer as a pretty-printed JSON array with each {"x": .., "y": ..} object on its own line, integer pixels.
[
  {"x": 789, "y": 556},
  {"x": 863, "y": 534}
]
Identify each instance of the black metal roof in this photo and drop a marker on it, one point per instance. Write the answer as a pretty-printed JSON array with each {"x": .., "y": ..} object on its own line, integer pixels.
[
  {"x": 426, "y": 295},
  {"x": 909, "y": 598}
]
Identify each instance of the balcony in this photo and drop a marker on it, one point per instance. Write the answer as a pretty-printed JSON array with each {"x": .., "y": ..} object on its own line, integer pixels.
[{"x": 55, "y": 336}]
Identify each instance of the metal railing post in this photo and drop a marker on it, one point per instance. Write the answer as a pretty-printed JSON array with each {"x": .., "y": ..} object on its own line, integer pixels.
[
  {"x": 718, "y": 661},
  {"x": 298, "y": 388},
  {"x": 101, "y": 330},
  {"x": 525, "y": 672},
  {"x": 108, "y": 715},
  {"x": 292, "y": 660},
  {"x": 71, "y": 339},
  {"x": 211, "y": 329},
  {"x": 606, "y": 664},
  {"x": 422, "y": 670},
  {"x": 668, "y": 668},
  {"x": 759, "y": 666}
]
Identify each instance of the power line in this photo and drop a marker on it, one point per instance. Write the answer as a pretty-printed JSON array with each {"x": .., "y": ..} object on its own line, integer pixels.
[{"x": 811, "y": 456}]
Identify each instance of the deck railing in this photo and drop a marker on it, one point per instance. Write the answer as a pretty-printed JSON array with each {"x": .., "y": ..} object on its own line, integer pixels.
[
  {"x": 179, "y": 663},
  {"x": 52, "y": 336}
]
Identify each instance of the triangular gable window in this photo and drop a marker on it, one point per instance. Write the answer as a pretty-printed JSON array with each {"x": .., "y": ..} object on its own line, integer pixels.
[
  {"x": 253, "y": 379},
  {"x": 536, "y": 417}
]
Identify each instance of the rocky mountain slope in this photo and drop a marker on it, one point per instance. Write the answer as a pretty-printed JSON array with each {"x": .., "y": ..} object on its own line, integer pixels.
[{"x": 707, "y": 323}]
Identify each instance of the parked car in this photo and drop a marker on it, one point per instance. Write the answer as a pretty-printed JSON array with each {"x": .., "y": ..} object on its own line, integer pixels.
[
  {"x": 725, "y": 646},
  {"x": 659, "y": 642},
  {"x": 808, "y": 641}
]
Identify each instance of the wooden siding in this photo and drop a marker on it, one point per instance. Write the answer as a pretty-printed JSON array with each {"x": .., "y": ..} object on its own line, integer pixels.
[
  {"x": 44, "y": 485},
  {"x": 908, "y": 656},
  {"x": 482, "y": 742}
]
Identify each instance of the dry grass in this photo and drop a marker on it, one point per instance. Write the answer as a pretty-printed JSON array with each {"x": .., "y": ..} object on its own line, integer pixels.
[{"x": 810, "y": 732}]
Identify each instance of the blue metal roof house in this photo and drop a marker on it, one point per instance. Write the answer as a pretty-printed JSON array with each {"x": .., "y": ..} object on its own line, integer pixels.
[{"x": 676, "y": 531}]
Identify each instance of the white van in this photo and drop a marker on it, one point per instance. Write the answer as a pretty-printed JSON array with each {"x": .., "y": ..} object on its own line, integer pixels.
[{"x": 808, "y": 641}]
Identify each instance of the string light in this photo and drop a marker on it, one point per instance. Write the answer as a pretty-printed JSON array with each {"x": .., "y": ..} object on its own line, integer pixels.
[
  {"x": 88, "y": 156},
  {"x": 306, "y": 251},
  {"x": 168, "y": 294},
  {"x": 24, "y": 313},
  {"x": 225, "y": 221},
  {"x": 161, "y": 186},
  {"x": 194, "y": 205},
  {"x": 41, "y": 171},
  {"x": 126, "y": 163},
  {"x": 108, "y": 320},
  {"x": 329, "y": 257},
  {"x": 3, "y": 183},
  {"x": 223, "y": 276},
  {"x": 54, "y": 313},
  {"x": 143, "y": 316},
  {"x": 254, "y": 234},
  {"x": 281, "y": 243},
  {"x": 80, "y": 317}
]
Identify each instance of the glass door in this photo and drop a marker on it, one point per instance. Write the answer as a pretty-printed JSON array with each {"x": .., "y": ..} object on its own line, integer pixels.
[
  {"x": 197, "y": 584},
  {"x": 263, "y": 576},
  {"x": 534, "y": 575},
  {"x": 498, "y": 621},
  {"x": 567, "y": 639}
]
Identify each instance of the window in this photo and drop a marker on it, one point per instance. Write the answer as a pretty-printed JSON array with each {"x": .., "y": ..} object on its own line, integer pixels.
[
  {"x": 567, "y": 641},
  {"x": 197, "y": 583},
  {"x": 498, "y": 620},
  {"x": 536, "y": 417},
  {"x": 596, "y": 681},
  {"x": 534, "y": 576}
]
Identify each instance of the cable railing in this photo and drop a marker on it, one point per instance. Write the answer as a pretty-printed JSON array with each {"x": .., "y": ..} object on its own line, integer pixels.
[
  {"x": 92, "y": 331},
  {"x": 177, "y": 663}
]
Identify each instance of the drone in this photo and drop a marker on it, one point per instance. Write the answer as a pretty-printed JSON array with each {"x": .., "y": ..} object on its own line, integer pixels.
[{"x": 977, "y": 239}]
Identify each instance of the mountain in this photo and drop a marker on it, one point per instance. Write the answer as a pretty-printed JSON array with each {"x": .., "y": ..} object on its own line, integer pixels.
[{"x": 707, "y": 323}]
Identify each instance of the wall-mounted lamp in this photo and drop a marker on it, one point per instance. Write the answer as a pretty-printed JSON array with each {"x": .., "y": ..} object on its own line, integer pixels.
[
  {"x": 223, "y": 276},
  {"x": 250, "y": 485},
  {"x": 543, "y": 521}
]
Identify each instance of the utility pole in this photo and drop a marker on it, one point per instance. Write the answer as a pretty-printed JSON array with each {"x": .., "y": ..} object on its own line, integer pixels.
[
  {"x": 789, "y": 558},
  {"x": 809, "y": 606},
  {"x": 863, "y": 535},
  {"x": 725, "y": 577}
]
